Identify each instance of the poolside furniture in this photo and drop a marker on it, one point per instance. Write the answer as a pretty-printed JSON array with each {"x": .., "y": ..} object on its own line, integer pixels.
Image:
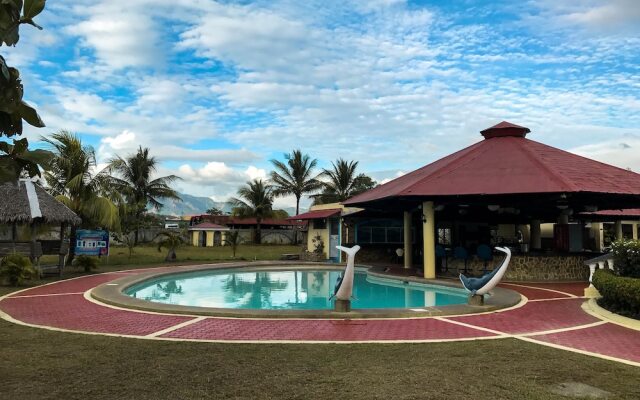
[
  {"x": 399, "y": 254},
  {"x": 485, "y": 254},
  {"x": 460, "y": 253}
]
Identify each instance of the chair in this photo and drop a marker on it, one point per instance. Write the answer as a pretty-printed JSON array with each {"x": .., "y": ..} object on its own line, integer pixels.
[
  {"x": 485, "y": 254},
  {"x": 399, "y": 254},
  {"x": 460, "y": 253},
  {"x": 441, "y": 253}
]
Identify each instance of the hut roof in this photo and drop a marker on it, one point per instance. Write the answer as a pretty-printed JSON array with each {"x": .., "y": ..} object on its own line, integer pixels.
[
  {"x": 507, "y": 163},
  {"x": 26, "y": 202}
]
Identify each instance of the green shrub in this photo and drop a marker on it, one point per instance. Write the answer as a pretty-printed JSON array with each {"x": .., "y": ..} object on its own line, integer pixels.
[
  {"x": 626, "y": 256},
  {"x": 16, "y": 268},
  {"x": 86, "y": 262},
  {"x": 619, "y": 294}
]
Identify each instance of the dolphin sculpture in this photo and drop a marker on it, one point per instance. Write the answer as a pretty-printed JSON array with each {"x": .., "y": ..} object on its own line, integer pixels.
[
  {"x": 344, "y": 285},
  {"x": 484, "y": 284}
]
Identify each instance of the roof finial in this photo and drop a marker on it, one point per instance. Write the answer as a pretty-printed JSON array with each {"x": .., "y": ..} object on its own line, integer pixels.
[{"x": 505, "y": 128}]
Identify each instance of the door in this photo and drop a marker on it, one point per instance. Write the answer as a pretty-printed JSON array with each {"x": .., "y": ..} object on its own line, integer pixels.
[{"x": 334, "y": 238}]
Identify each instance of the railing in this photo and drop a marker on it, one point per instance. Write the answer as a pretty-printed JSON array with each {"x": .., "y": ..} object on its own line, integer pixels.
[{"x": 599, "y": 262}]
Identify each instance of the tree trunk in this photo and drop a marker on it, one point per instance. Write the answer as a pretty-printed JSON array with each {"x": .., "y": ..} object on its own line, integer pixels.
[
  {"x": 295, "y": 227},
  {"x": 258, "y": 239},
  {"x": 72, "y": 244},
  {"x": 171, "y": 255}
]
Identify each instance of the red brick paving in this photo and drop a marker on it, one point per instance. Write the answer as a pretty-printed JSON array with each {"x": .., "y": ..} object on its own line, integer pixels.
[
  {"x": 325, "y": 330},
  {"x": 534, "y": 294},
  {"x": 534, "y": 317},
  {"x": 574, "y": 288},
  {"x": 72, "y": 285},
  {"x": 74, "y": 312},
  {"x": 608, "y": 339}
]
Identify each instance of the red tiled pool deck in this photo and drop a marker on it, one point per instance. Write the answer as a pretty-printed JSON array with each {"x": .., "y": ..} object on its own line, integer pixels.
[{"x": 550, "y": 314}]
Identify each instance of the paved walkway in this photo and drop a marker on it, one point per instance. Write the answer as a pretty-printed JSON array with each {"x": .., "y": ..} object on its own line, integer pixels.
[{"x": 550, "y": 315}]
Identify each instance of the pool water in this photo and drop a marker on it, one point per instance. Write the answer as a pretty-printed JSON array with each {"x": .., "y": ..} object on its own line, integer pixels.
[{"x": 292, "y": 289}]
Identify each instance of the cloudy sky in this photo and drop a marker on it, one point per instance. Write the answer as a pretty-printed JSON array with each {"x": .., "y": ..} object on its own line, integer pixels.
[{"x": 216, "y": 89}]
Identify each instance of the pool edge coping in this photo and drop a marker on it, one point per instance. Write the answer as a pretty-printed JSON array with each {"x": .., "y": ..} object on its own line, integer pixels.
[{"x": 111, "y": 294}]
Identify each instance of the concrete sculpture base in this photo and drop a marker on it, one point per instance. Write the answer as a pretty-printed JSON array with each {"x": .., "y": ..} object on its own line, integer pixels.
[
  {"x": 343, "y": 305},
  {"x": 476, "y": 300}
]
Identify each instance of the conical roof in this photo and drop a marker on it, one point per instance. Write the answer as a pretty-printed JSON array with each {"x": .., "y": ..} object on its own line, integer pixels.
[
  {"x": 26, "y": 202},
  {"x": 506, "y": 162}
]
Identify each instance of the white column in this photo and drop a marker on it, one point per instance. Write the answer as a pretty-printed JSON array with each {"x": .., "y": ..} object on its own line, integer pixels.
[
  {"x": 634, "y": 230},
  {"x": 408, "y": 248},
  {"x": 536, "y": 235},
  {"x": 429, "y": 240},
  {"x": 618, "y": 230},
  {"x": 598, "y": 234}
]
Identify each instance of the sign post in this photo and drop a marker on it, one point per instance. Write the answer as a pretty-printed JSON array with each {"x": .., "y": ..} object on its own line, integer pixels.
[{"x": 92, "y": 242}]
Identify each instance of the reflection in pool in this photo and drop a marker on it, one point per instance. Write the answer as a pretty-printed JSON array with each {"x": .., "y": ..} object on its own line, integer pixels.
[{"x": 292, "y": 289}]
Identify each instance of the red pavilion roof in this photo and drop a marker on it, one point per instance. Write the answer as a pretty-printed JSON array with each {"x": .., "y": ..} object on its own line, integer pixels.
[{"x": 507, "y": 163}]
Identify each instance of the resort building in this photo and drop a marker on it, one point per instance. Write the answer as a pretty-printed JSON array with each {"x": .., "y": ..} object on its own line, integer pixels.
[
  {"x": 210, "y": 230},
  {"x": 544, "y": 203}
]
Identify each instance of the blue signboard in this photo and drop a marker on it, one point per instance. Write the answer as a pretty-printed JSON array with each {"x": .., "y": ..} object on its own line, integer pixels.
[{"x": 92, "y": 243}]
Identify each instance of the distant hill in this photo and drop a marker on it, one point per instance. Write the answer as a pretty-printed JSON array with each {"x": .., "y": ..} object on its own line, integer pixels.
[
  {"x": 191, "y": 205},
  {"x": 194, "y": 205}
]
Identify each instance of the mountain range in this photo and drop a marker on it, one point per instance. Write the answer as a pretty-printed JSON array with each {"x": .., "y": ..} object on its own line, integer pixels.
[{"x": 194, "y": 205}]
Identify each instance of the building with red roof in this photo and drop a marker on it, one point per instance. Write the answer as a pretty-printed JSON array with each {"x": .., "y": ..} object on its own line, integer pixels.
[{"x": 506, "y": 180}]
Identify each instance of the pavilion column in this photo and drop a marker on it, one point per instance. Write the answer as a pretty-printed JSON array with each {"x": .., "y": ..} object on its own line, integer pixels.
[
  {"x": 408, "y": 247},
  {"x": 634, "y": 231},
  {"x": 536, "y": 235},
  {"x": 598, "y": 235},
  {"x": 429, "y": 239},
  {"x": 619, "y": 230}
]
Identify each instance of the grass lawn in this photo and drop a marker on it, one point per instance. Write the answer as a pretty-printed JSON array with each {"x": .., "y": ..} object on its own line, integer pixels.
[{"x": 41, "y": 364}]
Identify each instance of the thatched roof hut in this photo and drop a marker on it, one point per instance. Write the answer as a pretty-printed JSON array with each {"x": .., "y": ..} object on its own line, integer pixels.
[{"x": 26, "y": 203}]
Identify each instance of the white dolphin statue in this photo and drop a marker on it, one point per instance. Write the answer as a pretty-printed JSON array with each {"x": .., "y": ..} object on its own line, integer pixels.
[
  {"x": 344, "y": 285},
  {"x": 486, "y": 283}
]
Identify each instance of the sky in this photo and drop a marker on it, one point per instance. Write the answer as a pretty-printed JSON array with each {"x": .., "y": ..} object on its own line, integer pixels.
[{"x": 217, "y": 89}]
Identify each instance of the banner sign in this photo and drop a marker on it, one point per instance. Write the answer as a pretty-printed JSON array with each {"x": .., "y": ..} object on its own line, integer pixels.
[{"x": 92, "y": 243}]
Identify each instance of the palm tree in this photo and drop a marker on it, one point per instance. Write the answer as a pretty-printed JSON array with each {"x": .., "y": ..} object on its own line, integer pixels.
[
  {"x": 171, "y": 241},
  {"x": 233, "y": 239},
  {"x": 133, "y": 180},
  {"x": 295, "y": 177},
  {"x": 72, "y": 179},
  {"x": 342, "y": 182},
  {"x": 255, "y": 199}
]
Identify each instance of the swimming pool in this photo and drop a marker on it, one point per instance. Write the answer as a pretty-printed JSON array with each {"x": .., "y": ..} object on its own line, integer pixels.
[{"x": 290, "y": 289}]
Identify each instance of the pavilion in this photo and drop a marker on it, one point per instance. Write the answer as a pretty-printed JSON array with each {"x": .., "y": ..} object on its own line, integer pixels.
[
  {"x": 504, "y": 179},
  {"x": 25, "y": 203}
]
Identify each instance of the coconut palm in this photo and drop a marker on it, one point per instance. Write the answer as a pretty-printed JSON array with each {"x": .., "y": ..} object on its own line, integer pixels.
[
  {"x": 233, "y": 239},
  {"x": 171, "y": 241},
  {"x": 72, "y": 179},
  {"x": 342, "y": 182},
  {"x": 132, "y": 178},
  {"x": 295, "y": 177},
  {"x": 255, "y": 199}
]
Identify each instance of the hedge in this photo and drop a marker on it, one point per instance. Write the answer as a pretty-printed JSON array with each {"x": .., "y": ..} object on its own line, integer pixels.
[
  {"x": 619, "y": 294},
  {"x": 626, "y": 254}
]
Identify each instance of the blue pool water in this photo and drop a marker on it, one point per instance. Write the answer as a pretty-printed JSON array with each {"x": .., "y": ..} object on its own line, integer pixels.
[{"x": 292, "y": 289}]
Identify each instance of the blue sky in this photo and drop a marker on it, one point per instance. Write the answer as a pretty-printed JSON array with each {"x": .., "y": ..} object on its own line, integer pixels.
[{"x": 216, "y": 89}]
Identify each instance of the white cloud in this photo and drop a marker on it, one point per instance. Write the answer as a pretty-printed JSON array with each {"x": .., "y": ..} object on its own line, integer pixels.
[
  {"x": 121, "y": 34},
  {"x": 121, "y": 141}
]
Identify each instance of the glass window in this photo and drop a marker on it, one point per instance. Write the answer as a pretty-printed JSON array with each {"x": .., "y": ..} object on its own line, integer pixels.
[{"x": 319, "y": 224}]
